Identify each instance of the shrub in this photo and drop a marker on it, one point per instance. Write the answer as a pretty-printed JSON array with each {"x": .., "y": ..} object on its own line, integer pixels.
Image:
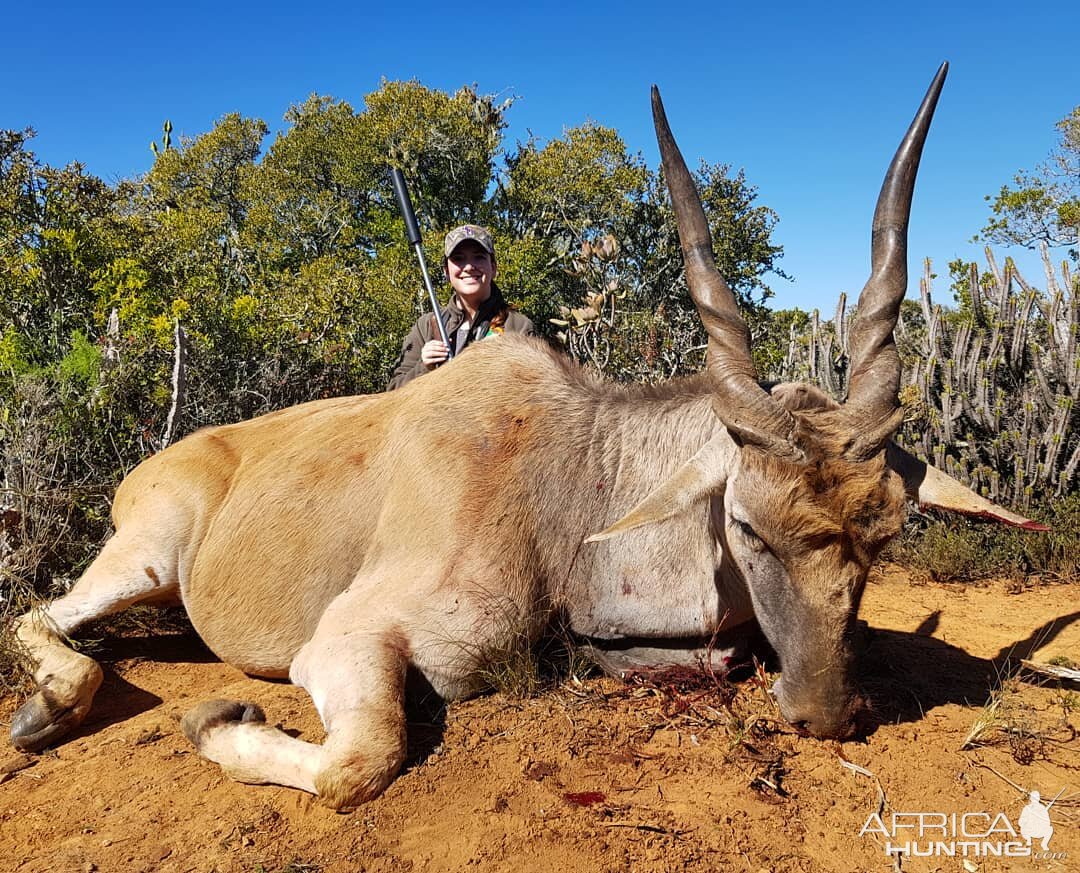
[{"x": 956, "y": 549}]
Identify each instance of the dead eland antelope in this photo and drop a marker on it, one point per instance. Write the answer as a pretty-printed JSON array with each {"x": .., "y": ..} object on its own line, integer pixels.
[{"x": 344, "y": 541}]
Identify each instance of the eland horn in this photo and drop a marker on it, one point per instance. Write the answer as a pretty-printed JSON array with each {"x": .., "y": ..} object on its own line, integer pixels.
[
  {"x": 746, "y": 409},
  {"x": 875, "y": 365}
]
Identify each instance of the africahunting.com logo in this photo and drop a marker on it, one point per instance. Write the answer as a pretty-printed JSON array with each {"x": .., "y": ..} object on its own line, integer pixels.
[{"x": 968, "y": 834}]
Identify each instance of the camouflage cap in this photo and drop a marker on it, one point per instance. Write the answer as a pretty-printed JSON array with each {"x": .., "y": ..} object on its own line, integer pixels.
[{"x": 473, "y": 232}]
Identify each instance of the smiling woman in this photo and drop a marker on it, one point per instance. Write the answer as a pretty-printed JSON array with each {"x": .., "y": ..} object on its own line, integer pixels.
[{"x": 477, "y": 309}]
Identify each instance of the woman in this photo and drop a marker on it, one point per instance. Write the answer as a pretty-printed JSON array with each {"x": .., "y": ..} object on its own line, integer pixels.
[{"x": 477, "y": 309}]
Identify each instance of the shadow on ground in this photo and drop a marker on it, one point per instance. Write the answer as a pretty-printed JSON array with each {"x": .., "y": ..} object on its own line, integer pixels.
[{"x": 906, "y": 674}]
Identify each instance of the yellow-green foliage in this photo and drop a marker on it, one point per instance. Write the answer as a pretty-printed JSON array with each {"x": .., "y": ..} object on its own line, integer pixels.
[
  {"x": 12, "y": 353},
  {"x": 82, "y": 363},
  {"x": 584, "y": 181}
]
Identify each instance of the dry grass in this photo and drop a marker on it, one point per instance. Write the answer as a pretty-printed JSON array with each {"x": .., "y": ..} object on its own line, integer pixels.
[
  {"x": 523, "y": 668},
  {"x": 1013, "y": 716},
  {"x": 16, "y": 598}
]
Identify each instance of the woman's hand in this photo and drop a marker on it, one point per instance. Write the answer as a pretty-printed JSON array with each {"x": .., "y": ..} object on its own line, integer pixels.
[{"x": 434, "y": 353}]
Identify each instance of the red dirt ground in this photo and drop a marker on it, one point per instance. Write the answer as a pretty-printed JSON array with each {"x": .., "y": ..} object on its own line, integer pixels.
[{"x": 657, "y": 778}]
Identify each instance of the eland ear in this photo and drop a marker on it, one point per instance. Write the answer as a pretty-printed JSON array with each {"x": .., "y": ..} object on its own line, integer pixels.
[
  {"x": 928, "y": 486},
  {"x": 699, "y": 477}
]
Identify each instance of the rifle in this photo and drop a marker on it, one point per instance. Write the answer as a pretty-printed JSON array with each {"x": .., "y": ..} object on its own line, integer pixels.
[{"x": 412, "y": 232}]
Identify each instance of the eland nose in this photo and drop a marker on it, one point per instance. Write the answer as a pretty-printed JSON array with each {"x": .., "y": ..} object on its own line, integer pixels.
[{"x": 836, "y": 722}]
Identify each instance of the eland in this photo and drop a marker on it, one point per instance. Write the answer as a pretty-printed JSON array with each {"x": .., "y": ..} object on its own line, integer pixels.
[{"x": 343, "y": 543}]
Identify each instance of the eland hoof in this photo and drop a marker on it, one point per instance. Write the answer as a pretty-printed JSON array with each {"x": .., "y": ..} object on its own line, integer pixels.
[
  {"x": 213, "y": 713},
  {"x": 42, "y": 721}
]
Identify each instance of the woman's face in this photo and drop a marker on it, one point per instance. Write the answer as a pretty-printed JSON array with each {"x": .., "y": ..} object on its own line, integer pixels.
[{"x": 471, "y": 270}]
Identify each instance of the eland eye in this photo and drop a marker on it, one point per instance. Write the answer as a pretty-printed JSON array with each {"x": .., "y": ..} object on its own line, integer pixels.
[
  {"x": 750, "y": 537},
  {"x": 746, "y": 529}
]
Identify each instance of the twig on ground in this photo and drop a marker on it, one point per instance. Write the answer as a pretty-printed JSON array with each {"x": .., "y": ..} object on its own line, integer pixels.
[
  {"x": 862, "y": 771},
  {"x": 1065, "y": 674},
  {"x": 1003, "y": 778},
  {"x": 641, "y": 826},
  {"x": 15, "y": 765}
]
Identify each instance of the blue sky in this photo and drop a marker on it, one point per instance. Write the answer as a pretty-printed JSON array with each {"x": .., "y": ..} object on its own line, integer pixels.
[{"x": 810, "y": 100}]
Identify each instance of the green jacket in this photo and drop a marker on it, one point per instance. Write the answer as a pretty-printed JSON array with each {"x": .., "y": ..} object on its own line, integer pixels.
[{"x": 409, "y": 365}]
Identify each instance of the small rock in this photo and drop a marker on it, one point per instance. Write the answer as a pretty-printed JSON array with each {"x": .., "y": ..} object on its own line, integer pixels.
[
  {"x": 537, "y": 770},
  {"x": 149, "y": 736}
]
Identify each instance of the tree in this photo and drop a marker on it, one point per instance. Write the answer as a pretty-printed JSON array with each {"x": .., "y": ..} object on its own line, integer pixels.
[
  {"x": 445, "y": 144},
  {"x": 58, "y": 229},
  {"x": 1043, "y": 206},
  {"x": 616, "y": 264},
  {"x": 557, "y": 200},
  {"x": 312, "y": 193},
  {"x": 575, "y": 188}
]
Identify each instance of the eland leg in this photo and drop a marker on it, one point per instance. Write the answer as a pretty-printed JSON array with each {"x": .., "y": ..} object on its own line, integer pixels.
[
  {"x": 356, "y": 680},
  {"x": 131, "y": 568},
  {"x": 354, "y": 667}
]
